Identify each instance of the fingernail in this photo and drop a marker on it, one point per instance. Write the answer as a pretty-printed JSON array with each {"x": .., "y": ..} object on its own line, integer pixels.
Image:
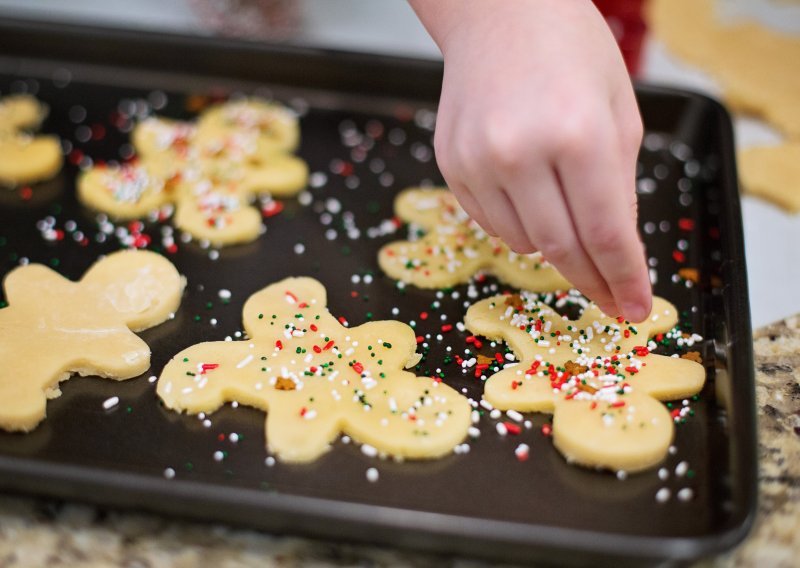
[{"x": 634, "y": 312}]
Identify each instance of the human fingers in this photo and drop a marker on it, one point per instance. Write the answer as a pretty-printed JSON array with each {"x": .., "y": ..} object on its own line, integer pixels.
[
  {"x": 592, "y": 168},
  {"x": 538, "y": 199},
  {"x": 471, "y": 205}
]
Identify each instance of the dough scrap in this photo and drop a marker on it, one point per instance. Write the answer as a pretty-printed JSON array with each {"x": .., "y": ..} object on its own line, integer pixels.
[
  {"x": 25, "y": 158},
  {"x": 316, "y": 378},
  {"x": 212, "y": 170},
  {"x": 757, "y": 68},
  {"x": 454, "y": 248},
  {"x": 594, "y": 424},
  {"x": 54, "y": 328},
  {"x": 773, "y": 172}
]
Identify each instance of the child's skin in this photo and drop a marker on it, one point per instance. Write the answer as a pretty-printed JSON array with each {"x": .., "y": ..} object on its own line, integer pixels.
[{"x": 537, "y": 135}]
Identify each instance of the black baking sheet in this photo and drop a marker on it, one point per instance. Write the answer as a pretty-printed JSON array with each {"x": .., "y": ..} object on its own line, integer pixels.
[{"x": 485, "y": 502}]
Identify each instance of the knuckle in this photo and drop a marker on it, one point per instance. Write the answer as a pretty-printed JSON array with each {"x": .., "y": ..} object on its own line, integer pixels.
[
  {"x": 506, "y": 142},
  {"x": 576, "y": 133},
  {"x": 603, "y": 238},
  {"x": 555, "y": 251}
]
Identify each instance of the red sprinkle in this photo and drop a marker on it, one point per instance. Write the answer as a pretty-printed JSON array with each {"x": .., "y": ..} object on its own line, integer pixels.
[
  {"x": 618, "y": 404},
  {"x": 420, "y": 339},
  {"x": 272, "y": 208},
  {"x": 209, "y": 366},
  {"x": 685, "y": 224},
  {"x": 423, "y": 315},
  {"x": 678, "y": 256},
  {"x": 358, "y": 367},
  {"x": 547, "y": 429},
  {"x": 447, "y": 327},
  {"x": 278, "y": 344},
  {"x": 512, "y": 428}
]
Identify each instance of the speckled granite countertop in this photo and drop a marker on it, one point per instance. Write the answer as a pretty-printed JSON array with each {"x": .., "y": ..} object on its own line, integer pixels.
[{"x": 39, "y": 533}]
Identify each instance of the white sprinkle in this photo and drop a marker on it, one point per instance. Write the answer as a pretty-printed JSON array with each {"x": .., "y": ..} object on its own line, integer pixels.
[
  {"x": 299, "y": 248},
  {"x": 522, "y": 451},
  {"x": 169, "y": 473},
  {"x": 473, "y": 432},
  {"x": 152, "y": 379},
  {"x": 218, "y": 456},
  {"x": 486, "y": 404},
  {"x": 495, "y": 414},
  {"x": 663, "y": 495},
  {"x": 345, "y": 439},
  {"x": 681, "y": 469},
  {"x": 270, "y": 461},
  {"x": 663, "y": 474},
  {"x": 234, "y": 437},
  {"x": 224, "y": 294},
  {"x": 110, "y": 403},
  {"x": 368, "y": 450},
  {"x": 622, "y": 475},
  {"x": 372, "y": 475},
  {"x": 244, "y": 362},
  {"x": 514, "y": 415},
  {"x": 501, "y": 429},
  {"x": 685, "y": 494}
]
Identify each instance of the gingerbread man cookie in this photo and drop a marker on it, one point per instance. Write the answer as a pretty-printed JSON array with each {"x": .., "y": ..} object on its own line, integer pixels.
[
  {"x": 596, "y": 375},
  {"x": 454, "y": 248},
  {"x": 54, "y": 328},
  {"x": 25, "y": 158},
  {"x": 211, "y": 170},
  {"x": 316, "y": 378}
]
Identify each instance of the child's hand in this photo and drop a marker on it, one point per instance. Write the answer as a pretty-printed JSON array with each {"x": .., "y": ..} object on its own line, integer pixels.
[{"x": 537, "y": 135}]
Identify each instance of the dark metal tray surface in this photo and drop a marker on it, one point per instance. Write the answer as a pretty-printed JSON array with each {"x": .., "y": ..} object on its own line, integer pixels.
[{"x": 366, "y": 134}]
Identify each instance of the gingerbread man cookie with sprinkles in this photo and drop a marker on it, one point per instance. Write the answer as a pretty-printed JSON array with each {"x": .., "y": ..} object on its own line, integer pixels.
[
  {"x": 54, "y": 328},
  {"x": 211, "y": 170},
  {"x": 454, "y": 248},
  {"x": 597, "y": 375},
  {"x": 25, "y": 157},
  {"x": 316, "y": 378}
]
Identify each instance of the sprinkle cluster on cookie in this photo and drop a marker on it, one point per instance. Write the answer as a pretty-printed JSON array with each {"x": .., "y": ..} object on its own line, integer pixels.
[
  {"x": 211, "y": 170},
  {"x": 453, "y": 248}
]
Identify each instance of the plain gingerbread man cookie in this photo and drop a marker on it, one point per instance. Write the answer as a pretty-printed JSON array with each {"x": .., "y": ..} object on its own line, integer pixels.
[
  {"x": 454, "y": 248},
  {"x": 25, "y": 158},
  {"x": 595, "y": 374},
  {"x": 54, "y": 328},
  {"x": 212, "y": 171},
  {"x": 316, "y": 378}
]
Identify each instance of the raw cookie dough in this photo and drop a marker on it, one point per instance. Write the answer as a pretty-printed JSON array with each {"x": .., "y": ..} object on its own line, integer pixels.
[
  {"x": 25, "y": 158},
  {"x": 54, "y": 328},
  {"x": 212, "y": 171},
  {"x": 756, "y": 67},
  {"x": 454, "y": 248},
  {"x": 773, "y": 172},
  {"x": 316, "y": 378},
  {"x": 576, "y": 370}
]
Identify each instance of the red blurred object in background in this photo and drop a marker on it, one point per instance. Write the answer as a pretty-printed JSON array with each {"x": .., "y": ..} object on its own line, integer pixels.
[{"x": 626, "y": 21}]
